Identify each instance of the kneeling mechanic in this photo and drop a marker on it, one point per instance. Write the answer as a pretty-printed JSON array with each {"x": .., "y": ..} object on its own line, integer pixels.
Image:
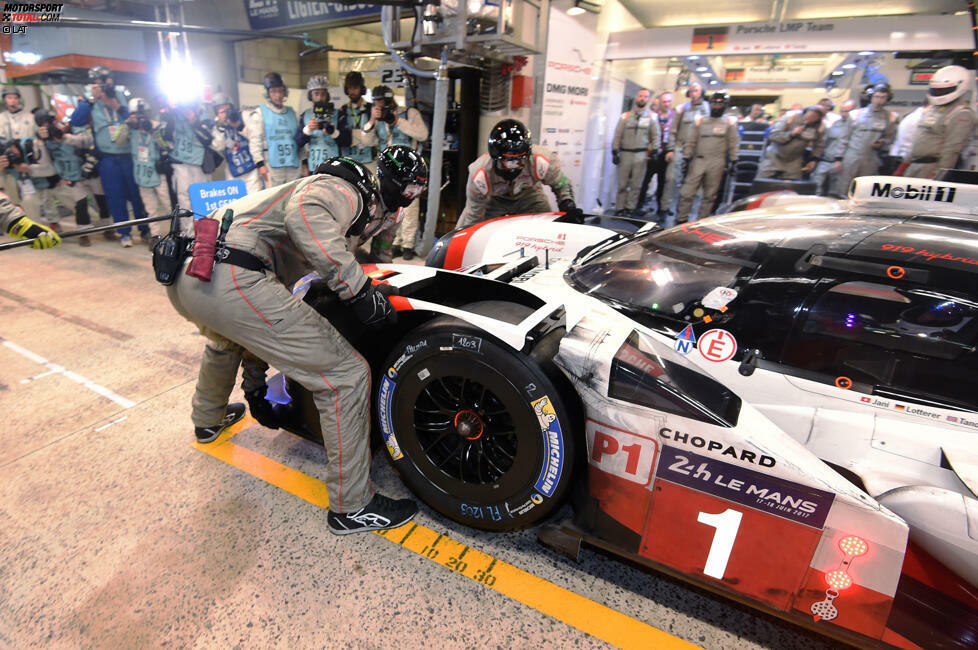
[{"x": 277, "y": 236}]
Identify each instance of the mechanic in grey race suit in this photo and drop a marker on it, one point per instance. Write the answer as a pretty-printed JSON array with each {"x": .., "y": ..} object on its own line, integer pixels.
[
  {"x": 871, "y": 131},
  {"x": 507, "y": 179},
  {"x": 945, "y": 126},
  {"x": 790, "y": 136},
  {"x": 15, "y": 223},
  {"x": 277, "y": 236},
  {"x": 636, "y": 141},
  {"x": 829, "y": 167},
  {"x": 682, "y": 123},
  {"x": 711, "y": 147}
]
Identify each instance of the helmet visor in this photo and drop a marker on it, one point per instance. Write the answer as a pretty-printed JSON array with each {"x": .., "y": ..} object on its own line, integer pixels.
[{"x": 941, "y": 91}]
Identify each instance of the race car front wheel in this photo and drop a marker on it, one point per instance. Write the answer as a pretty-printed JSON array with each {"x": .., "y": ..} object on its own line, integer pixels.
[{"x": 475, "y": 429}]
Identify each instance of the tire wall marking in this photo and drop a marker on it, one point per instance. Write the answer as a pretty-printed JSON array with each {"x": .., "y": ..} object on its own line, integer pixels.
[{"x": 557, "y": 602}]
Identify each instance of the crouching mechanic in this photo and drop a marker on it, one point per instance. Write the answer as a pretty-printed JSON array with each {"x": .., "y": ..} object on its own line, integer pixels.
[
  {"x": 277, "y": 236},
  {"x": 507, "y": 179},
  {"x": 15, "y": 223}
]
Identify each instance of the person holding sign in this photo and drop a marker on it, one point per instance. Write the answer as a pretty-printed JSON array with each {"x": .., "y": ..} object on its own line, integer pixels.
[
  {"x": 271, "y": 134},
  {"x": 305, "y": 225}
]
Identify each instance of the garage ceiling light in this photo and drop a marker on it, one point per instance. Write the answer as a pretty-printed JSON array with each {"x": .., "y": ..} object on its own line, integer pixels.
[{"x": 575, "y": 11}]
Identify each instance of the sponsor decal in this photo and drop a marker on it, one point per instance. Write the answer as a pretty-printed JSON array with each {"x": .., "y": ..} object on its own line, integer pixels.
[
  {"x": 911, "y": 192},
  {"x": 411, "y": 349},
  {"x": 386, "y": 426},
  {"x": 553, "y": 446},
  {"x": 707, "y": 235},
  {"x": 525, "y": 507},
  {"x": 622, "y": 453},
  {"x": 685, "y": 340},
  {"x": 929, "y": 255},
  {"x": 713, "y": 445},
  {"x": 777, "y": 496},
  {"x": 717, "y": 345},
  {"x": 466, "y": 342},
  {"x": 719, "y": 297}
]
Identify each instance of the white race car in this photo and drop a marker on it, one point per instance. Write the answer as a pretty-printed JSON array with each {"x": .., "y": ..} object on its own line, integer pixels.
[{"x": 780, "y": 405}]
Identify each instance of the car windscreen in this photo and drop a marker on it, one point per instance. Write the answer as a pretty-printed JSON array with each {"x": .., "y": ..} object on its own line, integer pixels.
[{"x": 665, "y": 272}]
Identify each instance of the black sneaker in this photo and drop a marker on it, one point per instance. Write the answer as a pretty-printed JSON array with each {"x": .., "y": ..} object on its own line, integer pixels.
[
  {"x": 407, "y": 255},
  {"x": 235, "y": 412},
  {"x": 381, "y": 513}
]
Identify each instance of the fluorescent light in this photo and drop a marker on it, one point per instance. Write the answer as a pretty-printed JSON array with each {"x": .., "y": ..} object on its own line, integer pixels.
[
  {"x": 702, "y": 68},
  {"x": 849, "y": 66},
  {"x": 868, "y": 52},
  {"x": 838, "y": 73},
  {"x": 575, "y": 11},
  {"x": 707, "y": 74},
  {"x": 694, "y": 57}
]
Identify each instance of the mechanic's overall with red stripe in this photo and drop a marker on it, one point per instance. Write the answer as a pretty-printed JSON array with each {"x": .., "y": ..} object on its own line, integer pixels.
[
  {"x": 507, "y": 179},
  {"x": 290, "y": 230}
]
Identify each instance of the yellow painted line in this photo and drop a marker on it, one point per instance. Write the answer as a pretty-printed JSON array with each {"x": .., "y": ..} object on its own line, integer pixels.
[{"x": 562, "y": 604}]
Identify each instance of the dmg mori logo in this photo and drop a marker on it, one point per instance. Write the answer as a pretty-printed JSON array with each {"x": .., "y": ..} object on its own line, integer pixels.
[{"x": 914, "y": 192}]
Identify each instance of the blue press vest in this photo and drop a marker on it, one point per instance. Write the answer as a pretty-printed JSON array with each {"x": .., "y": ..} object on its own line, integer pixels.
[
  {"x": 237, "y": 153},
  {"x": 321, "y": 146},
  {"x": 280, "y": 131},
  {"x": 186, "y": 145},
  {"x": 144, "y": 166},
  {"x": 66, "y": 160},
  {"x": 356, "y": 118},
  {"x": 397, "y": 136},
  {"x": 105, "y": 121}
]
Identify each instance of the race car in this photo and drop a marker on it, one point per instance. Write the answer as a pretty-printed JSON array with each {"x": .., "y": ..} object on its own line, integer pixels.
[{"x": 778, "y": 405}]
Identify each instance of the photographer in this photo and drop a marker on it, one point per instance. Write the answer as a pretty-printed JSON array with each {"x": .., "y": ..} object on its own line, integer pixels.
[
  {"x": 106, "y": 117},
  {"x": 188, "y": 137},
  {"x": 15, "y": 124},
  {"x": 78, "y": 179},
  {"x": 317, "y": 125},
  {"x": 148, "y": 155},
  {"x": 389, "y": 125},
  {"x": 232, "y": 143},
  {"x": 271, "y": 134}
]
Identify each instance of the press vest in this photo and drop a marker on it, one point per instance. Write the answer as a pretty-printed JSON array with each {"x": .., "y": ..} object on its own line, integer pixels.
[
  {"x": 321, "y": 146},
  {"x": 66, "y": 160},
  {"x": 396, "y": 135},
  {"x": 280, "y": 131},
  {"x": 356, "y": 118},
  {"x": 145, "y": 153},
  {"x": 105, "y": 123},
  {"x": 237, "y": 153},
  {"x": 186, "y": 145}
]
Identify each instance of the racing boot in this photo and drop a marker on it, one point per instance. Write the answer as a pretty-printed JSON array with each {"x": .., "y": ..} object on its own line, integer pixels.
[
  {"x": 381, "y": 513},
  {"x": 235, "y": 411}
]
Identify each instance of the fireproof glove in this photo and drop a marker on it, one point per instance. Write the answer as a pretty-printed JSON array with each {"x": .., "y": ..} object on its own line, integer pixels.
[
  {"x": 615, "y": 157},
  {"x": 43, "y": 236},
  {"x": 569, "y": 208},
  {"x": 372, "y": 307},
  {"x": 261, "y": 409}
]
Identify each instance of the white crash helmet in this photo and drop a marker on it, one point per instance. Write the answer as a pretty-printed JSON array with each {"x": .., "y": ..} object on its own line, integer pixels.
[
  {"x": 317, "y": 82},
  {"x": 949, "y": 83},
  {"x": 137, "y": 104}
]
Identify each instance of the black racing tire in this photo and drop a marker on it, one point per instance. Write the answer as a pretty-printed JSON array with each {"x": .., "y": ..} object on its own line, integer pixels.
[{"x": 458, "y": 411}]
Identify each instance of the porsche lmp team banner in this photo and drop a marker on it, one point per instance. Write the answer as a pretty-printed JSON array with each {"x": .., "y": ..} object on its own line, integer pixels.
[{"x": 567, "y": 93}]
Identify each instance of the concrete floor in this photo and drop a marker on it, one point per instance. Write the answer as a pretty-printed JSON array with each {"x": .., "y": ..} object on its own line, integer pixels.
[{"x": 117, "y": 531}]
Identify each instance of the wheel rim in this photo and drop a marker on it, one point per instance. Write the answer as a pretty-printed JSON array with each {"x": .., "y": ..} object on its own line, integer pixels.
[{"x": 465, "y": 431}]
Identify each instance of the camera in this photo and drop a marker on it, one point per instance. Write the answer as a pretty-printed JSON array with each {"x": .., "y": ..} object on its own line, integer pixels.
[
  {"x": 43, "y": 117},
  {"x": 384, "y": 98},
  {"x": 18, "y": 151},
  {"x": 322, "y": 112},
  {"x": 387, "y": 113},
  {"x": 89, "y": 166}
]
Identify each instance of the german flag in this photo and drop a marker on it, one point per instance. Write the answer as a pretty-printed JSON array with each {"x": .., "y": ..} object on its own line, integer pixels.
[{"x": 708, "y": 39}]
